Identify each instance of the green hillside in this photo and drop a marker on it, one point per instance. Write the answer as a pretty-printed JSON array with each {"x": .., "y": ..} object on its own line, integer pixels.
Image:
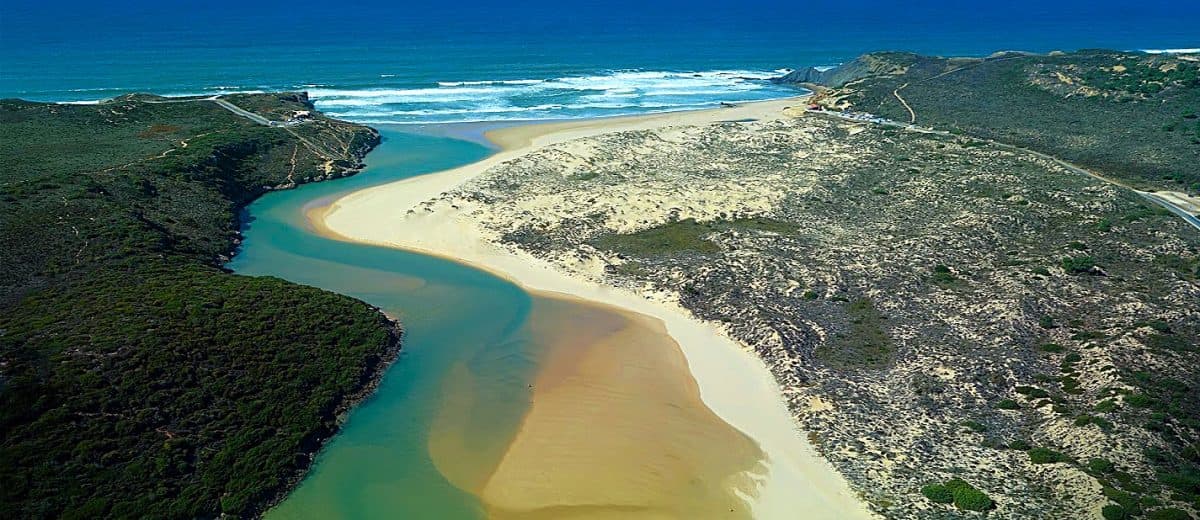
[
  {"x": 1129, "y": 116},
  {"x": 137, "y": 377}
]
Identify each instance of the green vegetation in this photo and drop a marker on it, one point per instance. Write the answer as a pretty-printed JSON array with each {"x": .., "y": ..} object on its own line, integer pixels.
[
  {"x": 1047, "y": 456},
  {"x": 1113, "y": 512},
  {"x": 1032, "y": 392},
  {"x": 864, "y": 345},
  {"x": 138, "y": 379},
  {"x": 1139, "y": 400},
  {"x": 938, "y": 493},
  {"x": 967, "y": 497},
  {"x": 1170, "y": 342},
  {"x": 1053, "y": 348},
  {"x": 682, "y": 236},
  {"x": 685, "y": 236},
  {"x": 1140, "y": 76},
  {"x": 1085, "y": 419},
  {"x": 1100, "y": 466},
  {"x": 1170, "y": 513},
  {"x": 942, "y": 275},
  {"x": 1188, "y": 269},
  {"x": 163, "y": 389},
  {"x": 1019, "y": 445},
  {"x": 1125, "y": 115},
  {"x": 1078, "y": 264},
  {"x": 975, "y": 426},
  {"x": 963, "y": 495},
  {"x": 1007, "y": 404}
]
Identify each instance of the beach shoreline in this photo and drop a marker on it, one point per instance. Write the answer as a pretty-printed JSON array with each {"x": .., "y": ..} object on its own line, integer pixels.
[{"x": 726, "y": 371}]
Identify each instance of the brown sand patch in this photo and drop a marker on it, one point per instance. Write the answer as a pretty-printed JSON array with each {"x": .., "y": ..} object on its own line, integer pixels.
[{"x": 617, "y": 428}]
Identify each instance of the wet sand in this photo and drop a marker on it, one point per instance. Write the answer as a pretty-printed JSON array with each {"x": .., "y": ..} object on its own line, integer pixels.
[{"x": 617, "y": 428}]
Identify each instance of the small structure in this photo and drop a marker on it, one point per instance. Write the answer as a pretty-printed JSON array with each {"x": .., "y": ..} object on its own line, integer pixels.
[{"x": 301, "y": 114}]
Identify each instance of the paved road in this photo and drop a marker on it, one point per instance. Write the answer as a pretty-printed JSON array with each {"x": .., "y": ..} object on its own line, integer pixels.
[
  {"x": 233, "y": 108},
  {"x": 1190, "y": 218},
  {"x": 242, "y": 112},
  {"x": 252, "y": 115}
]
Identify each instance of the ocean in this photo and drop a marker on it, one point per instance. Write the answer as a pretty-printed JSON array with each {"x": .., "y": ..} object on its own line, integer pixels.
[{"x": 423, "y": 61}]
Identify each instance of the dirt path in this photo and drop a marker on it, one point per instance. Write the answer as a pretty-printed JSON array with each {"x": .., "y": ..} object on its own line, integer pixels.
[{"x": 912, "y": 116}]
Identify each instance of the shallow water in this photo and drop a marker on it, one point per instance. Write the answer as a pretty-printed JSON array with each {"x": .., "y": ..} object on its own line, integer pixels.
[{"x": 504, "y": 404}]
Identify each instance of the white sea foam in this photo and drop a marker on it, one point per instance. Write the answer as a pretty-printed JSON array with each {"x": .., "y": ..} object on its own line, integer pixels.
[
  {"x": 1172, "y": 51},
  {"x": 618, "y": 91},
  {"x": 496, "y": 82}
]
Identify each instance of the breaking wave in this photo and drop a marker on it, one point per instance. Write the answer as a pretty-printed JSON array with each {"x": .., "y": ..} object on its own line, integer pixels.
[{"x": 611, "y": 93}]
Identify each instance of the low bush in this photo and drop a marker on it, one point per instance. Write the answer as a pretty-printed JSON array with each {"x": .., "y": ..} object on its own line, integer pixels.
[
  {"x": 1052, "y": 348},
  {"x": 1113, "y": 512},
  {"x": 967, "y": 497},
  {"x": 1007, "y": 404},
  {"x": 1170, "y": 513},
  {"x": 957, "y": 491},
  {"x": 975, "y": 426},
  {"x": 1078, "y": 264},
  {"x": 938, "y": 493},
  {"x": 1046, "y": 456},
  {"x": 1100, "y": 466}
]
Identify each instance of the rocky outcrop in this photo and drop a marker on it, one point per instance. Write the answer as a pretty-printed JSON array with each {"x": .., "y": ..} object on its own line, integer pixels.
[{"x": 864, "y": 66}]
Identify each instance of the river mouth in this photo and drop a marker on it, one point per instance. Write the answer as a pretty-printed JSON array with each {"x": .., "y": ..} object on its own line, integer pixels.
[{"x": 504, "y": 403}]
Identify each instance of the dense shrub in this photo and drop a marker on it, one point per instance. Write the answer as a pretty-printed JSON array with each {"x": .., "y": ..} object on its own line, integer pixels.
[
  {"x": 1046, "y": 456},
  {"x": 1000, "y": 99},
  {"x": 1078, "y": 264},
  {"x": 1100, "y": 466},
  {"x": 938, "y": 493},
  {"x": 960, "y": 493},
  {"x": 975, "y": 426},
  {"x": 1032, "y": 392},
  {"x": 138, "y": 379},
  {"x": 1051, "y": 347},
  {"x": 1170, "y": 513},
  {"x": 967, "y": 497},
  {"x": 1113, "y": 512}
]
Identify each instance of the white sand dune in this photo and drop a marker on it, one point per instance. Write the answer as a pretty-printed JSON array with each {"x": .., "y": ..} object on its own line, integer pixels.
[{"x": 733, "y": 382}]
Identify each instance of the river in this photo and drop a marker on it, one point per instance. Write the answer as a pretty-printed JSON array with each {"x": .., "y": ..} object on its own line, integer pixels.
[{"x": 503, "y": 403}]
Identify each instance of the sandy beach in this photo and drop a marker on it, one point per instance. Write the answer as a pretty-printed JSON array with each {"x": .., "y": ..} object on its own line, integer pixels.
[{"x": 733, "y": 382}]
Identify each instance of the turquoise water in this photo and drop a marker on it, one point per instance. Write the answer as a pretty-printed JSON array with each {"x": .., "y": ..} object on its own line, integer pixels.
[{"x": 454, "y": 316}]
